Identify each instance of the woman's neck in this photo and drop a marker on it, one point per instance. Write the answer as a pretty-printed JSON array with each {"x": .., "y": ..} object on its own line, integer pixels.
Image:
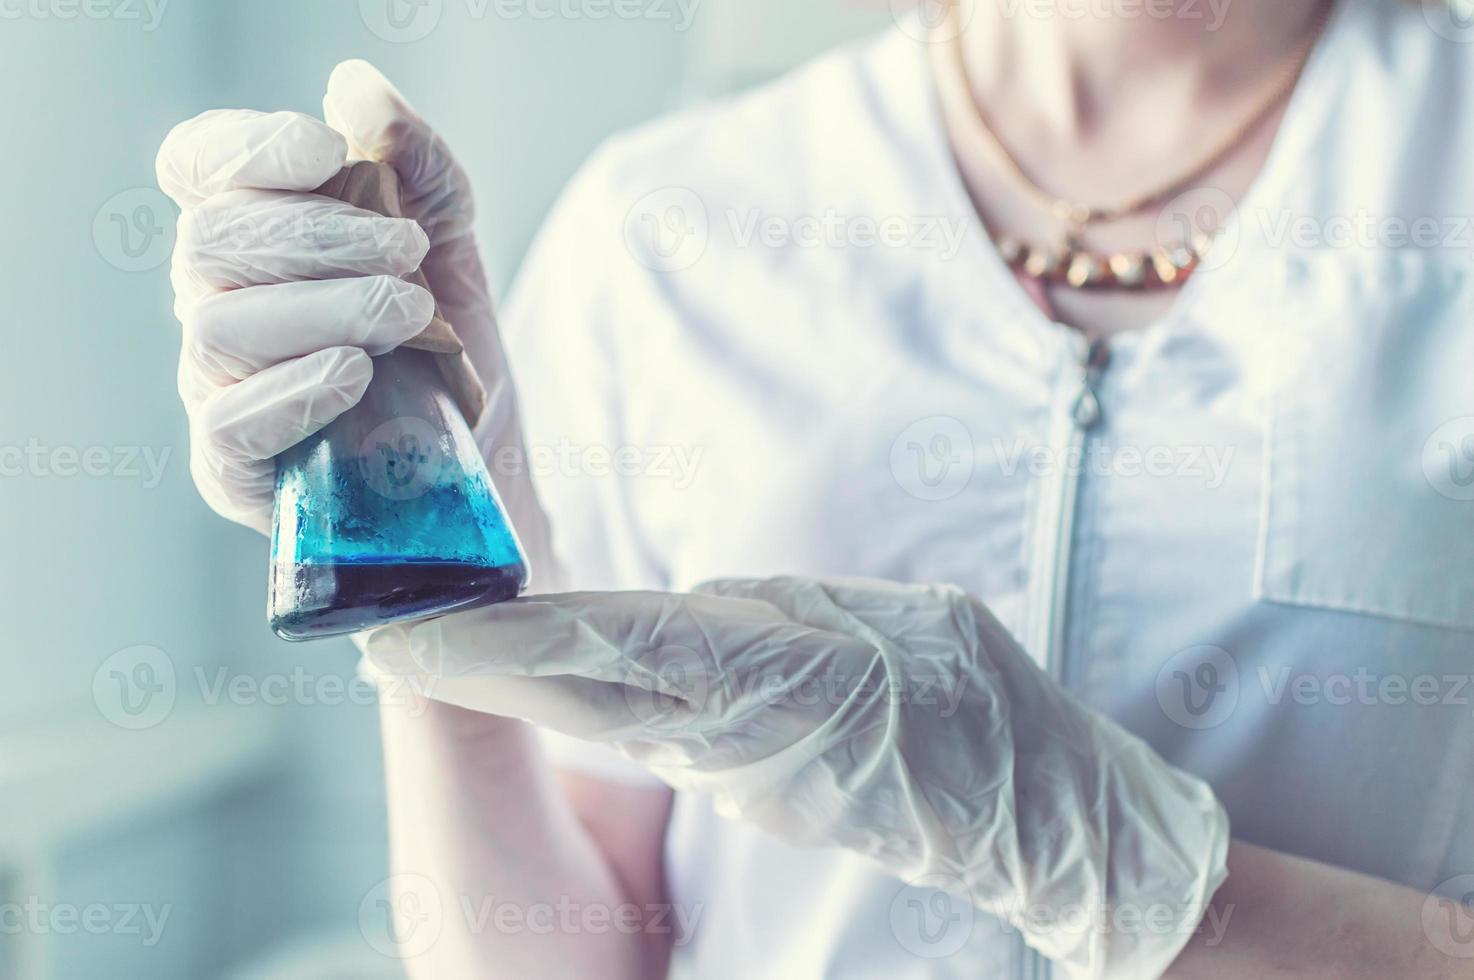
[{"x": 1094, "y": 66}]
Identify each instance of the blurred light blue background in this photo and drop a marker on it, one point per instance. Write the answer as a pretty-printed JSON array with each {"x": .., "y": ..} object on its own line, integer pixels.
[{"x": 161, "y": 753}]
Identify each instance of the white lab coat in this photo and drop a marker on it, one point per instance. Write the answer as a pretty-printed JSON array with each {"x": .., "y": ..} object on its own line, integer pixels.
[{"x": 1264, "y": 564}]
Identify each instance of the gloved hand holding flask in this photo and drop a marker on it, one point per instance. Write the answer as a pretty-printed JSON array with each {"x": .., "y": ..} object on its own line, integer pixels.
[
  {"x": 388, "y": 512},
  {"x": 292, "y": 300}
]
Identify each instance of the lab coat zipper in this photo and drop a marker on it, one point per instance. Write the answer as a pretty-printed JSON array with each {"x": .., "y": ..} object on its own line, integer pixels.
[{"x": 1077, "y": 415}]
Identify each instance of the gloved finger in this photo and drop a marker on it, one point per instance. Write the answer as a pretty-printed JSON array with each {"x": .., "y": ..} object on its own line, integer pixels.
[
  {"x": 277, "y": 408},
  {"x": 239, "y": 490},
  {"x": 227, "y": 149},
  {"x": 630, "y": 637},
  {"x": 938, "y": 626},
  {"x": 581, "y": 707},
  {"x": 804, "y": 600},
  {"x": 575, "y": 633},
  {"x": 677, "y": 683},
  {"x": 654, "y": 727},
  {"x": 849, "y": 605},
  {"x": 927, "y": 622},
  {"x": 379, "y": 124},
  {"x": 671, "y": 659},
  {"x": 233, "y": 335},
  {"x": 250, "y": 238}
]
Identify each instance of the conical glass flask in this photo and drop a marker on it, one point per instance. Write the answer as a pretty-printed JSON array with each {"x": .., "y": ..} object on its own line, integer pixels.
[{"x": 388, "y": 513}]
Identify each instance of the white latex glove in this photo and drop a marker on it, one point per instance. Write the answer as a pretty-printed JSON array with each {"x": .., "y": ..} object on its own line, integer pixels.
[
  {"x": 285, "y": 295},
  {"x": 902, "y": 722}
]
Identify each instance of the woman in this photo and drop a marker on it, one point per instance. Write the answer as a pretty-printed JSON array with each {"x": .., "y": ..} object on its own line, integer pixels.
[{"x": 1202, "y": 452}]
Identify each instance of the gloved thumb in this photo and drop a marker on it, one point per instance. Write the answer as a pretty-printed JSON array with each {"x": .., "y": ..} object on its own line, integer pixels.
[{"x": 380, "y": 124}]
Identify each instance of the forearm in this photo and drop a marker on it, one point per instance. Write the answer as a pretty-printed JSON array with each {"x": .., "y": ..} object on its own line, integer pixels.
[
  {"x": 478, "y": 816},
  {"x": 1283, "y": 916}
]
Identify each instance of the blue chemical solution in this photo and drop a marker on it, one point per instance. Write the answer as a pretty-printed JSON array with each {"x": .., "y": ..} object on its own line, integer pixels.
[{"x": 388, "y": 514}]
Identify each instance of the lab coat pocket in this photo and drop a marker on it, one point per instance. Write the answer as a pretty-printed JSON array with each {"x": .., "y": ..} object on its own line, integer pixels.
[{"x": 1368, "y": 499}]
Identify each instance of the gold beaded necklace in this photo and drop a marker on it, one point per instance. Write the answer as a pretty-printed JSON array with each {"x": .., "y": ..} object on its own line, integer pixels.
[{"x": 1068, "y": 261}]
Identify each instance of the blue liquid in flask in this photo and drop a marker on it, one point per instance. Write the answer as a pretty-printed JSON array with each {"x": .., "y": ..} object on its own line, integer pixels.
[{"x": 388, "y": 513}]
